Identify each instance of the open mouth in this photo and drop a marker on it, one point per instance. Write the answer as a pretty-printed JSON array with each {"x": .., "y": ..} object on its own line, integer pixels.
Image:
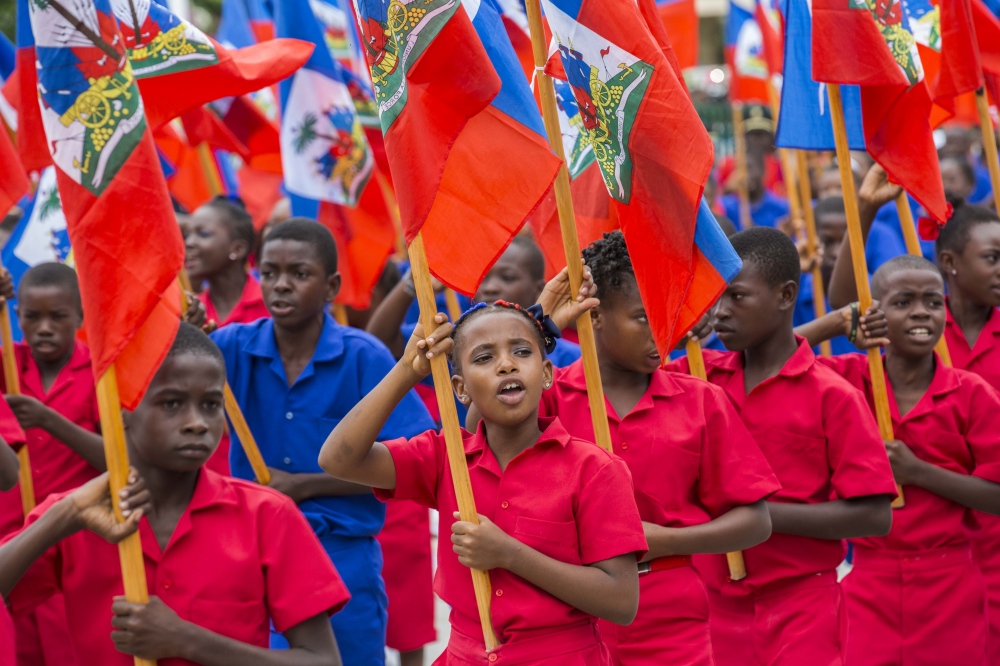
[
  {"x": 511, "y": 391},
  {"x": 920, "y": 334},
  {"x": 279, "y": 308}
]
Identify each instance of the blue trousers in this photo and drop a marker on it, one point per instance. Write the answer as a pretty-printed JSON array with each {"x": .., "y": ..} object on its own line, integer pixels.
[{"x": 360, "y": 626}]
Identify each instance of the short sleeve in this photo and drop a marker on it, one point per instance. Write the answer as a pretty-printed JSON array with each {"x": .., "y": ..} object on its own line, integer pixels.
[
  {"x": 608, "y": 523},
  {"x": 42, "y": 579},
  {"x": 419, "y": 463},
  {"x": 853, "y": 367},
  {"x": 300, "y": 580},
  {"x": 859, "y": 464},
  {"x": 733, "y": 471},
  {"x": 410, "y": 417},
  {"x": 983, "y": 429}
]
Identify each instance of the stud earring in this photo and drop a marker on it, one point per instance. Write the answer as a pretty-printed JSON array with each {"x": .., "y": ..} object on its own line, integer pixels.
[
  {"x": 954, "y": 272},
  {"x": 232, "y": 256},
  {"x": 548, "y": 384}
]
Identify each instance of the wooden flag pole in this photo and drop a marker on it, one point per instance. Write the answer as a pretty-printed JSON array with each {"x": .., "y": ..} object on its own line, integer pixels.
[
  {"x": 740, "y": 156},
  {"x": 452, "y": 432},
  {"x": 116, "y": 454},
  {"x": 696, "y": 363},
  {"x": 567, "y": 225},
  {"x": 13, "y": 382},
  {"x": 390, "y": 202},
  {"x": 340, "y": 313},
  {"x": 451, "y": 300},
  {"x": 909, "y": 228},
  {"x": 805, "y": 195},
  {"x": 989, "y": 144},
  {"x": 875, "y": 368}
]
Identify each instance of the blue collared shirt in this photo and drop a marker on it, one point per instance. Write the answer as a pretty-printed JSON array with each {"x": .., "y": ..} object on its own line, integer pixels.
[
  {"x": 885, "y": 240},
  {"x": 765, "y": 213},
  {"x": 291, "y": 423}
]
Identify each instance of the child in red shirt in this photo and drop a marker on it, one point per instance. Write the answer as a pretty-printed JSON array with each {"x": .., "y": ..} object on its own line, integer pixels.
[
  {"x": 224, "y": 558},
  {"x": 558, "y": 527},
  {"x": 822, "y": 443},
  {"x": 11, "y": 436},
  {"x": 700, "y": 480}
]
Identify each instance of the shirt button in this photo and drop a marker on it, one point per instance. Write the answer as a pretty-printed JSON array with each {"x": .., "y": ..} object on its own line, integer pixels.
[
  {"x": 493, "y": 657},
  {"x": 288, "y": 461},
  {"x": 499, "y": 593},
  {"x": 288, "y": 415},
  {"x": 624, "y": 446},
  {"x": 167, "y": 585},
  {"x": 504, "y": 505}
]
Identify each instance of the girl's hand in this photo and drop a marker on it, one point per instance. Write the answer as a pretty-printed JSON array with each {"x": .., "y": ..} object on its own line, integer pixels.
[
  {"x": 419, "y": 350},
  {"x": 484, "y": 546},
  {"x": 557, "y": 299},
  {"x": 195, "y": 314},
  {"x": 876, "y": 190},
  {"x": 701, "y": 331},
  {"x": 92, "y": 505},
  {"x": 905, "y": 465}
]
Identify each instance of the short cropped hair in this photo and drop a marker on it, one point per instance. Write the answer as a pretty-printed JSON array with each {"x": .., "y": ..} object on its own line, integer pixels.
[
  {"x": 192, "y": 341},
  {"x": 774, "y": 254},
  {"x": 52, "y": 274},
  {"x": 903, "y": 262},
  {"x": 954, "y": 235},
  {"x": 310, "y": 232}
]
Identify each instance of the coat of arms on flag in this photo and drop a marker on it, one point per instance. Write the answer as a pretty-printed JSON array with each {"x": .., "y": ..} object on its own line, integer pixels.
[
  {"x": 90, "y": 103},
  {"x": 609, "y": 84},
  {"x": 576, "y": 139},
  {"x": 159, "y": 42},
  {"x": 892, "y": 21},
  {"x": 925, "y": 23}
]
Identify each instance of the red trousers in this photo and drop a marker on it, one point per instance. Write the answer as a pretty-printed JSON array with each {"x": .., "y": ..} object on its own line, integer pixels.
[
  {"x": 408, "y": 575},
  {"x": 8, "y": 653},
  {"x": 574, "y": 646},
  {"x": 790, "y": 623},
  {"x": 43, "y": 637},
  {"x": 916, "y": 609},
  {"x": 986, "y": 551},
  {"x": 671, "y": 626}
]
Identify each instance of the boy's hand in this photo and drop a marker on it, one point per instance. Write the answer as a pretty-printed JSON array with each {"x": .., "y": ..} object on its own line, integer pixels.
[
  {"x": 701, "y": 330},
  {"x": 30, "y": 413},
  {"x": 196, "y": 314},
  {"x": 419, "y": 350},
  {"x": 484, "y": 546},
  {"x": 905, "y": 465},
  {"x": 558, "y": 302},
  {"x": 150, "y": 631},
  {"x": 872, "y": 326},
  {"x": 285, "y": 483},
  {"x": 6, "y": 285},
  {"x": 92, "y": 503},
  {"x": 876, "y": 190}
]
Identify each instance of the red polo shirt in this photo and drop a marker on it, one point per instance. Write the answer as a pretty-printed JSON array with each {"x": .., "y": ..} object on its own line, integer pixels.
[
  {"x": 10, "y": 428},
  {"x": 564, "y": 497},
  {"x": 954, "y": 425},
  {"x": 247, "y": 310},
  {"x": 982, "y": 359},
  {"x": 241, "y": 555},
  {"x": 690, "y": 455},
  {"x": 822, "y": 442},
  {"x": 8, "y": 655},
  {"x": 55, "y": 468}
]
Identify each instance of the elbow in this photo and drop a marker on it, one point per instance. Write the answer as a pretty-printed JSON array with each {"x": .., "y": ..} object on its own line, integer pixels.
[
  {"x": 879, "y": 518},
  {"x": 759, "y": 527},
  {"x": 328, "y": 458},
  {"x": 8, "y": 479},
  {"x": 624, "y": 609}
]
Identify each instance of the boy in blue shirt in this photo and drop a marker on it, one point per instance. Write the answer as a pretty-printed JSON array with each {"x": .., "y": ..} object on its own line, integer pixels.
[{"x": 295, "y": 376}]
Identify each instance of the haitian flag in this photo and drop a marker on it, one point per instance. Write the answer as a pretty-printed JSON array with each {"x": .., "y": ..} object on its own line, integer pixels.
[
  {"x": 20, "y": 92},
  {"x": 895, "y": 102},
  {"x": 680, "y": 18},
  {"x": 340, "y": 32},
  {"x": 654, "y": 154},
  {"x": 127, "y": 246},
  {"x": 8, "y": 63},
  {"x": 182, "y": 68},
  {"x": 745, "y": 53},
  {"x": 463, "y": 135},
  {"x": 772, "y": 30},
  {"x": 987, "y": 27},
  {"x": 805, "y": 119}
]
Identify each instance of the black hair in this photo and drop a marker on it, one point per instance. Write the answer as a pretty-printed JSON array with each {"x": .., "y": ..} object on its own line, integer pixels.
[
  {"x": 481, "y": 310},
  {"x": 774, "y": 254},
  {"x": 964, "y": 165},
  {"x": 609, "y": 264},
  {"x": 829, "y": 206},
  {"x": 52, "y": 274},
  {"x": 903, "y": 262},
  {"x": 954, "y": 235},
  {"x": 536, "y": 260},
  {"x": 727, "y": 225},
  {"x": 310, "y": 232},
  {"x": 191, "y": 340},
  {"x": 236, "y": 218}
]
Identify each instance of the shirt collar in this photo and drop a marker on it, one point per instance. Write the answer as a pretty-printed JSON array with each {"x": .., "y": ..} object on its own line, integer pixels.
[
  {"x": 800, "y": 362},
  {"x": 992, "y": 326},
  {"x": 210, "y": 491},
  {"x": 661, "y": 383},
  {"x": 330, "y": 345},
  {"x": 553, "y": 432}
]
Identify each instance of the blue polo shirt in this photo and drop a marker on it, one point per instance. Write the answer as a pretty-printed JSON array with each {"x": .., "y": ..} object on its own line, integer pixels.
[
  {"x": 804, "y": 313},
  {"x": 885, "y": 239},
  {"x": 765, "y": 213},
  {"x": 292, "y": 422}
]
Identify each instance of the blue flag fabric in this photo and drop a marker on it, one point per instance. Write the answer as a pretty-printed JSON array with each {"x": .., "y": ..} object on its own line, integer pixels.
[{"x": 805, "y": 108}]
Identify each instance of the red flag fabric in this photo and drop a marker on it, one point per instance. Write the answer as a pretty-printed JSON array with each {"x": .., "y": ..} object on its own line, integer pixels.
[
  {"x": 772, "y": 29},
  {"x": 14, "y": 182},
  {"x": 895, "y": 102},
  {"x": 126, "y": 243},
  {"x": 680, "y": 19},
  {"x": 988, "y": 38},
  {"x": 202, "y": 125}
]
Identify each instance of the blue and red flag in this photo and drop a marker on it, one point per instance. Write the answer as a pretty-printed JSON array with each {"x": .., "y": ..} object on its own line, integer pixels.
[
  {"x": 805, "y": 121},
  {"x": 22, "y": 96},
  {"x": 745, "y": 54},
  {"x": 463, "y": 135},
  {"x": 895, "y": 102},
  {"x": 654, "y": 154},
  {"x": 126, "y": 244},
  {"x": 680, "y": 18},
  {"x": 8, "y": 63}
]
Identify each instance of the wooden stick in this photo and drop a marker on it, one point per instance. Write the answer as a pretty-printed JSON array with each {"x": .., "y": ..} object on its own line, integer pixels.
[
  {"x": 989, "y": 144},
  {"x": 696, "y": 363},
  {"x": 452, "y": 432},
  {"x": 211, "y": 169},
  {"x": 13, "y": 381},
  {"x": 340, "y": 314},
  {"x": 393, "y": 206},
  {"x": 247, "y": 440},
  {"x": 116, "y": 454},
  {"x": 805, "y": 195},
  {"x": 875, "y": 368},
  {"x": 740, "y": 156},
  {"x": 451, "y": 300},
  {"x": 567, "y": 225},
  {"x": 909, "y": 228}
]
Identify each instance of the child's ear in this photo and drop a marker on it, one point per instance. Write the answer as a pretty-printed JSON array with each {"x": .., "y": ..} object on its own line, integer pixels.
[
  {"x": 788, "y": 295},
  {"x": 596, "y": 317},
  {"x": 947, "y": 261},
  {"x": 332, "y": 286},
  {"x": 240, "y": 248},
  {"x": 461, "y": 392},
  {"x": 547, "y": 373}
]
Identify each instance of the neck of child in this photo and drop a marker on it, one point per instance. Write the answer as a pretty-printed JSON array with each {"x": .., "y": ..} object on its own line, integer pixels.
[
  {"x": 299, "y": 341},
  {"x": 168, "y": 489},
  {"x": 614, "y": 376},
  {"x": 909, "y": 371},
  {"x": 226, "y": 286},
  {"x": 508, "y": 440},
  {"x": 770, "y": 356},
  {"x": 968, "y": 314},
  {"x": 50, "y": 369}
]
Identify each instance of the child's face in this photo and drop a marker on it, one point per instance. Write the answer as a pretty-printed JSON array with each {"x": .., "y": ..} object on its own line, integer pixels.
[
  {"x": 207, "y": 244},
  {"x": 913, "y": 302},
  {"x": 49, "y": 317},
  {"x": 978, "y": 266},
  {"x": 829, "y": 184},
  {"x": 830, "y": 231},
  {"x": 294, "y": 282},
  {"x": 510, "y": 280},
  {"x": 502, "y": 369},
  {"x": 622, "y": 331},
  {"x": 750, "y": 310},
  {"x": 954, "y": 179},
  {"x": 179, "y": 422}
]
